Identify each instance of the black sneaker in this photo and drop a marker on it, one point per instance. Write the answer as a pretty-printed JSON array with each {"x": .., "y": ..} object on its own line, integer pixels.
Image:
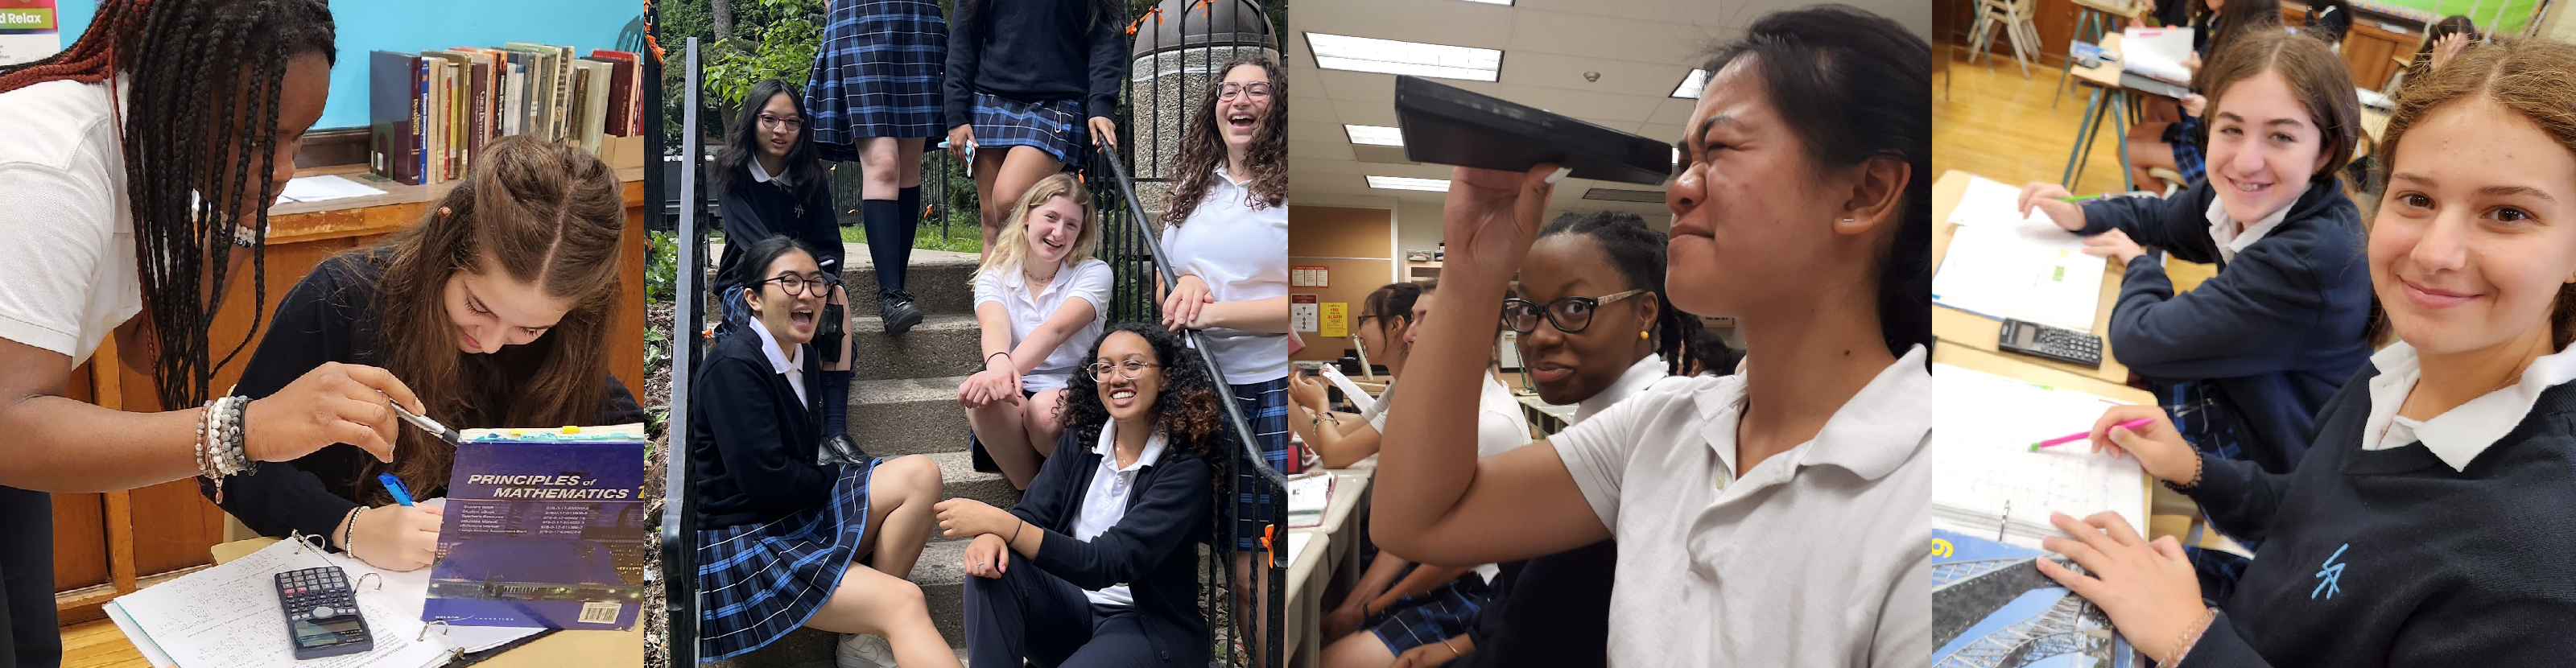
[{"x": 898, "y": 311}]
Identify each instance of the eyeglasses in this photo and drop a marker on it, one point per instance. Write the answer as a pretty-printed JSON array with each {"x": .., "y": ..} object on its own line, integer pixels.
[
  {"x": 768, "y": 121},
  {"x": 1569, "y": 314},
  {"x": 1128, "y": 369},
  {"x": 796, "y": 285},
  {"x": 1258, "y": 90}
]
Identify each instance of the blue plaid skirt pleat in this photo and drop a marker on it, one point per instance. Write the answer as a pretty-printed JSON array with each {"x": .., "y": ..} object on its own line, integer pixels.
[
  {"x": 1055, "y": 126},
  {"x": 1265, "y": 406},
  {"x": 756, "y": 582},
  {"x": 1443, "y": 612},
  {"x": 877, "y": 73}
]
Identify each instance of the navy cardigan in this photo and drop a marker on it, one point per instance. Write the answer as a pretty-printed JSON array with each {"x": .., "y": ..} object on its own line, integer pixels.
[
  {"x": 752, "y": 447},
  {"x": 1150, "y": 548},
  {"x": 2391, "y": 558},
  {"x": 2275, "y": 332},
  {"x": 753, "y": 211},
  {"x": 1034, "y": 51}
]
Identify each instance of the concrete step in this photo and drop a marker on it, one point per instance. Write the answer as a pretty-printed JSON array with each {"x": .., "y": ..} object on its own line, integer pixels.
[
  {"x": 959, "y": 480},
  {"x": 807, "y": 648},
  {"x": 941, "y": 573},
  {"x": 944, "y": 344},
  {"x": 908, "y": 415},
  {"x": 940, "y": 281}
]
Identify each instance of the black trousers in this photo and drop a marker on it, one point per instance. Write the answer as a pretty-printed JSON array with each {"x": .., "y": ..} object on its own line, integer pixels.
[
  {"x": 31, "y": 638},
  {"x": 1030, "y": 613}
]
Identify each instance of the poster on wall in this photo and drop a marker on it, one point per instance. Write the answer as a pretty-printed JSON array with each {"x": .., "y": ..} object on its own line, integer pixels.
[
  {"x": 29, "y": 30},
  {"x": 1337, "y": 319},
  {"x": 1304, "y": 314}
]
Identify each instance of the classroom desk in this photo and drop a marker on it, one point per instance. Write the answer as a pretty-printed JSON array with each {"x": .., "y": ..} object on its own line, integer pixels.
[
  {"x": 560, "y": 648},
  {"x": 1951, "y": 325},
  {"x": 2168, "y": 513},
  {"x": 2104, "y": 79},
  {"x": 2093, "y": 20},
  {"x": 1308, "y": 576}
]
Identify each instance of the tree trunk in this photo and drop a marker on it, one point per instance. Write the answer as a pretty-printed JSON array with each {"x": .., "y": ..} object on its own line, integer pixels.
[{"x": 723, "y": 13}]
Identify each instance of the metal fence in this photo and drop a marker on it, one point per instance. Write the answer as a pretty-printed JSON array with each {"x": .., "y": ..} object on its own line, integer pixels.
[{"x": 1176, "y": 47}]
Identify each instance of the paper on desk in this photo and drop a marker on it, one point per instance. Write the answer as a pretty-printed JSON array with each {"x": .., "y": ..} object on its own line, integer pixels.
[
  {"x": 2156, "y": 53},
  {"x": 1989, "y": 479},
  {"x": 142, "y": 643},
  {"x": 2030, "y": 269},
  {"x": 228, "y": 616},
  {"x": 1297, "y": 541},
  {"x": 1307, "y": 498},
  {"x": 322, "y": 188},
  {"x": 1991, "y": 201}
]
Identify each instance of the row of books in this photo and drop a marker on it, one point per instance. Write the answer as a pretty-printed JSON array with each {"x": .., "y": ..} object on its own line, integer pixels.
[{"x": 431, "y": 112}]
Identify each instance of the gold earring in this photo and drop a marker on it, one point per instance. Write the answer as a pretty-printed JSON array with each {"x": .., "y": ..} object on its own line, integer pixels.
[{"x": 1641, "y": 336}]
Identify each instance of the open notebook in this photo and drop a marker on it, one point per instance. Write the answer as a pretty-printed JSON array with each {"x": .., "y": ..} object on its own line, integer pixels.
[
  {"x": 1992, "y": 484},
  {"x": 2003, "y": 264},
  {"x": 1308, "y": 495},
  {"x": 227, "y": 616}
]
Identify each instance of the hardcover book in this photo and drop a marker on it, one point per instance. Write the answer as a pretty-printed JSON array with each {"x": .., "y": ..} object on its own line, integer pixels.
[{"x": 543, "y": 528}]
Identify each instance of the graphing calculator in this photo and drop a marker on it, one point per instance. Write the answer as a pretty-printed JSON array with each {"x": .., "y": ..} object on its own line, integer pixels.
[
  {"x": 322, "y": 613},
  {"x": 1448, "y": 125},
  {"x": 2057, "y": 343}
]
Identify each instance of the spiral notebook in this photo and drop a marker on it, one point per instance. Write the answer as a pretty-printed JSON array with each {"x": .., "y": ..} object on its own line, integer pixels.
[
  {"x": 227, "y": 616},
  {"x": 1993, "y": 484}
]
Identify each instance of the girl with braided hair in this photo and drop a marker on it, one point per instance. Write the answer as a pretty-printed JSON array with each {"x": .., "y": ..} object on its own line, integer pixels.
[{"x": 140, "y": 164}]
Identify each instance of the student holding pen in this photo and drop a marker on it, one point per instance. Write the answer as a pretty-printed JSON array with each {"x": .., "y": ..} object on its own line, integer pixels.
[
  {"x": 2428, "y": 526},
  {"x": 2261, "y": 346},
  {"x": 497, "y": 310},
  {"x": 131, "y": 214}
]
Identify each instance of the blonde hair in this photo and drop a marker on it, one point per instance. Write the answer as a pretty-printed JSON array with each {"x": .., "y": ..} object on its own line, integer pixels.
[{"x": 1011, "y": 246}]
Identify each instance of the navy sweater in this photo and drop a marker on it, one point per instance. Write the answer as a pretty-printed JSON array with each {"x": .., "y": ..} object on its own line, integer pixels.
[
  {"x": 2274, "y": 333},
  {"x": 1149, "y": 549},
  {"x": 331, "y": 316},
  {"x": 752, "y": 446},
  {"x": 753, "y": 211},
  {"x": 1034, "y": 51},
  {"x": 2428, "y": 566}
]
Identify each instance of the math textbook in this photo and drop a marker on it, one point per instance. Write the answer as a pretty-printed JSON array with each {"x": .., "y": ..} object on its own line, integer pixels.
[
  {"x": 1992, "y": 608},
  {"x": 543, "y": 528}
]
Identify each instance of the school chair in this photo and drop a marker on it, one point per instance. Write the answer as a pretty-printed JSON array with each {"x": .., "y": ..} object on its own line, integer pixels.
[{"x": 2014, "y": 18}]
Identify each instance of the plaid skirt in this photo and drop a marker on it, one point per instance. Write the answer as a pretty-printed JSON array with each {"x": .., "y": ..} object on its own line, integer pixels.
[
  {"x": 1265, "y": 406},
  {"x": 877, "y": 74},
  {"x": 1443, "y": 612},
  {"x": 2184, "y": 136},
  {"x": 1056, "y": 127},
  {"x": 756, "y": 582}
]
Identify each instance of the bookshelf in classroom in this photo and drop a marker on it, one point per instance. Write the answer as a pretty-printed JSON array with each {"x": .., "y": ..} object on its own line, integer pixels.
[{"x": 431, "y": 112}]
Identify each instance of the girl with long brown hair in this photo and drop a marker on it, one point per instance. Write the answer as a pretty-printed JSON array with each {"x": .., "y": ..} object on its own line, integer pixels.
[
  {"x": 497, "y": 308},
  {"x": 2427, "y": 525},
  {"x": 138, "y": 169}
]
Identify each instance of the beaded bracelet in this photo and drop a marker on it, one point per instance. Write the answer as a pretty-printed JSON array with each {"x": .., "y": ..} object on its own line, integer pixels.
[
  {"x": 2190, "y": 636},
  {"x": 2187, "y": 487}
]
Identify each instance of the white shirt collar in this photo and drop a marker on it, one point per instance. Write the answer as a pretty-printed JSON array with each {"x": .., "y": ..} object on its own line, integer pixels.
[
  {"x": 1636, "y": 379},
  {"x": 2462, "y": 433},
  {"x": 1862, "y": 434},
  {"x": 780, "y": 361},
  {"x": 758, "y": 175},
  {"x": 1018, "y": 279},
  {"x": 1107, "y": 448},
  {"x": 2233, "y": 238}
]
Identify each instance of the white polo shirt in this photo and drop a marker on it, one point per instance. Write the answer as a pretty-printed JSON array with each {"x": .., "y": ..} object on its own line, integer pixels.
[
  {"x": 1817, "y": 557},
  {"x": 1105, "y": 501},
  {"x": 68, "y": 273},
  {"x": 1089, "y": 280},
  {"x": 1639, "y": 376},
  {"x": 1242, "y": 254}
]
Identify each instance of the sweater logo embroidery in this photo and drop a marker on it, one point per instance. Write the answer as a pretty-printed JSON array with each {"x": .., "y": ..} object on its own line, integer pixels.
[{"x": 2327, "y": 577}]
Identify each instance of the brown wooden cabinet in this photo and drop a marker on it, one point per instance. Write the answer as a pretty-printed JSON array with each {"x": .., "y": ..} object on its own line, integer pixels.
[{"x": 2371, "y": 48}]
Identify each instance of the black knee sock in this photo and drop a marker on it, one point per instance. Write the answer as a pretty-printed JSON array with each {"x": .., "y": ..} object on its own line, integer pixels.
[
  {"x": 888, "y": 239},
  {"x": 910, "y": 198},
  {"x": 836, "y": 402}
]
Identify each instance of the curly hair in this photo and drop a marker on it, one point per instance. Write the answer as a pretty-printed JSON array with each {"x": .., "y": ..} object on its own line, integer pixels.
[
  {"x": 1203, "y": 148},
  {"x": 1186, "y": 410}
]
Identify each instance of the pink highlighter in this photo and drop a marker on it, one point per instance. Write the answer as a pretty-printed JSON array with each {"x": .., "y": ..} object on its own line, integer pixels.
[{"x": 2081, "y": 435}]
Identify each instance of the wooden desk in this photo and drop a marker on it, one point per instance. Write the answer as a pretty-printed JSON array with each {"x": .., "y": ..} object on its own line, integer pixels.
[
  {"x": 1970, "y": 330},
  {"x": 560, "y": 648},
  {"x": 1308, "y": 576}
]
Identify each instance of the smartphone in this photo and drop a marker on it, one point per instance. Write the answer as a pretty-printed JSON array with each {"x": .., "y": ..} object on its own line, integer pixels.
[{"x": 1448, "y": 125}]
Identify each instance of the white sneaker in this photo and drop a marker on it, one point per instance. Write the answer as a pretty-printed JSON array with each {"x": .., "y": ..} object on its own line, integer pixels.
[{"x": 864, "y": 651}]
